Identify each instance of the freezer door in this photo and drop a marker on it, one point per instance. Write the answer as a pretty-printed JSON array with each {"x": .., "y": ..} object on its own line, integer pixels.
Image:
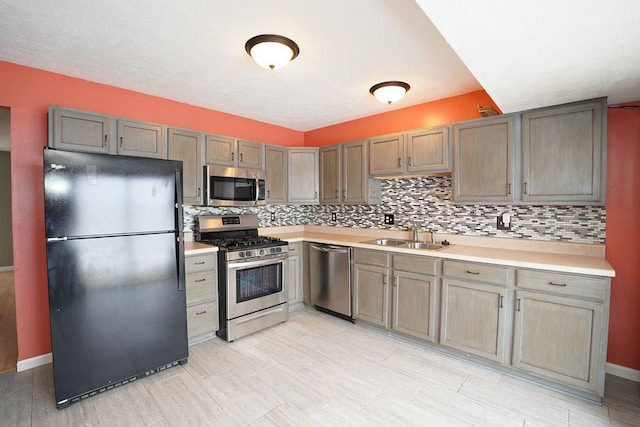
[
  {"x": 116, "y": 309},
  {"x": 98, "y": 194}
]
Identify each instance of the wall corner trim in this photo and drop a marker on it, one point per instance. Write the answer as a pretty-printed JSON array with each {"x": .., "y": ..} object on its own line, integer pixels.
[
  {"x": 34, "y": 362},
  {"x": 623, "y": 372}
]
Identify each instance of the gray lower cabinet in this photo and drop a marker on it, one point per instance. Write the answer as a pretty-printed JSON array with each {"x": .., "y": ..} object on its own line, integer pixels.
[
  {"x": 296, "y": 274},
  {"x": 414, "y": 298},
  {"x": 473, "y": 304},
  {"x": 201, "y": 285},
  {"x": 186, "y": 146},
  {"x": 276, "y": 170},
  {"x": 560, "y": 331},
  {"x": 371, "y": 276}
]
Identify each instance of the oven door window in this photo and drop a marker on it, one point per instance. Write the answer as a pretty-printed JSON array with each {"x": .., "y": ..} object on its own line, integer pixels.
[
  {"x": 257, "y": 282},
  {"x": 228, "y": 188}
]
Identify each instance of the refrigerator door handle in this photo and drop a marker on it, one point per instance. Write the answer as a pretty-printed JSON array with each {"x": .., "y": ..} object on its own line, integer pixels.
[{"x": 179, "y": 225}]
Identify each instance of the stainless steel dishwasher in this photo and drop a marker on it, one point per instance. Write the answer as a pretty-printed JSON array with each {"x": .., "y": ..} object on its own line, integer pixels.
[{"x": 330, "y": 278}]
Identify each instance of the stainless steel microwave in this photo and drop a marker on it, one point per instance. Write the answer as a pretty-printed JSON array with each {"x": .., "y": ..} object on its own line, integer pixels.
[{"x": 225, "y": 186}]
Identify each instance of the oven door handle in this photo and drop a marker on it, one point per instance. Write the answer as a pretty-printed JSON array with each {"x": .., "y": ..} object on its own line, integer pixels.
[{"x": 234, "y": 265}]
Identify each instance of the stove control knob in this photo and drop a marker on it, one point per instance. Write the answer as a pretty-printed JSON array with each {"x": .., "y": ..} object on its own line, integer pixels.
[
  {"x": 261, "y": 252},
  {"x": 241, "y": 254},
  {"x": 278, "y": 249}
]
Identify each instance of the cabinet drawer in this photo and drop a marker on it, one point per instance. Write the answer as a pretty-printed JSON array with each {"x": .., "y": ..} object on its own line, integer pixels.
[
  {"x": 365, "y": 256},
  {"x": 562, "y": 283},
  {"x": 200, "y": 263},
  {"x": 202, "y": 319},
  {"x": 201, "y": 286},
  {"x": 477, "y": 272},
  {"x": 415, "y": 264}
]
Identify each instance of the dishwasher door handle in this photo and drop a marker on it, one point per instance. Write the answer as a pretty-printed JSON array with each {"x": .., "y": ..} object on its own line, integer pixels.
[{"x": 330, "y": 248}]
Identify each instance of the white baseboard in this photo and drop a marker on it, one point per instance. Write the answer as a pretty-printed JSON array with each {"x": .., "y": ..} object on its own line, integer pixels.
[
  {"x": 623, "y": 372},
  {"x": 34, "y": 362},
  {"x": 8, "y": 268}
]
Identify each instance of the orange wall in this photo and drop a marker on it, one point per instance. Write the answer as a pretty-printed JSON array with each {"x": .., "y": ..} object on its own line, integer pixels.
[
  {"x": 448, "y": 110},
  {"x": 623, "y": 234}
]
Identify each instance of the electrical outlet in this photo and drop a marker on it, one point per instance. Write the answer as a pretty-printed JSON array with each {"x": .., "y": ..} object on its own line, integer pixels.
[
  {"x": 388, "y": 219},
  {"x": 504, "y": 222},
  {"x": 273, "y": 216},
  {"x": 334, "y": 216}
]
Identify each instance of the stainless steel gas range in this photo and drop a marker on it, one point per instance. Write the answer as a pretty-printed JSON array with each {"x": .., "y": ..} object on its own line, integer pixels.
[{"x": 252, "y": 274}]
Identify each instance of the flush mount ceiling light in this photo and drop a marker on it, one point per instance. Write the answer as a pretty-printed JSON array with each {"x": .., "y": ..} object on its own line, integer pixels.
[
  {"x": 389, "y": 92},
  {"x": 271, "y": 51}
]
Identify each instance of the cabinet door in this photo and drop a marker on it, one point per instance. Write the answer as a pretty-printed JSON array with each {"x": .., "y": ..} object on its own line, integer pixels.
[
  {"x": 354, "y": 172},
  {"x": 220, "y": 150},
  {"x": 483, "y": 160},
  {"x": 141, "y": 139},
  {"x": 330, "y": 175},
  {"x": 414, "y": 305},
  {"x": 559, "y": 338},
  {"x": 371, "y": 294},
  {"x": 303, "y": 175},
  {"x": 186, "y": 146},
  {"x": 250, "y": 154},
  {"x": 473, "y": 318},
  {"x": 276, "y": 169},
  {"x": 78, "y": 131},
  {"x": 386, "y": 155},
  {"x": 428, "y": 150},
  {"x": 562, "y": 154},
  {"x": 295, "y": 275}
]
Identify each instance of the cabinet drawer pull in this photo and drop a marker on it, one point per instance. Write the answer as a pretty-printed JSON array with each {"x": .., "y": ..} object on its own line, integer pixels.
[
  {"x": 201, "y": 312},
  {"x": 557, "y": 284},
  {"x": 501, "y": 301},
  {"x": 473, "y": 272},
  {"x": 198, "y": 263},
  {"x": 199, "y": 280},
  {"x": 518, "y": 308}
]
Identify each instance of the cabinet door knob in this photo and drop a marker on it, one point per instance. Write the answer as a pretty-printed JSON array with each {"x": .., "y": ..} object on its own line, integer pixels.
[
  {"x": 399, "y": 162},
  {"x": 518, "y": 308},
  {"x": 233, "y": 156},
  {"x": 525, "y": 188},
  {"x": 509, "y": 188},
  {"x": 198, "y": 191},
  {"x": 501, "y": 301},
  {"x": 409, "y": 161},
  {"x": 121, "y": 142},
  {"x": 240, "y": 157},
  {"x": 106, "y": 143}
]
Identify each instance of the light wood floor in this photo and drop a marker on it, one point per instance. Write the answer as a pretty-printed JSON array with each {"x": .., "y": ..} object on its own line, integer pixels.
[
  {"x": 316, "y": 370},
  {"x": 8, "y": 339}
]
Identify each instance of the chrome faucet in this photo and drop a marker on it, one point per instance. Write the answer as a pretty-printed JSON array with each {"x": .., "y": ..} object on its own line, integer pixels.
[
  {"x": 433, "y": 237},
  {"x": 415, "y": 231}
]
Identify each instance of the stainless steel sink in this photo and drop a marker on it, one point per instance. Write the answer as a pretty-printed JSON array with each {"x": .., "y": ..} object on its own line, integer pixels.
[
  {"x": 386, "y": 242},
  {"x": 407, "y": 244},
  {"x": 424, "y": 245}
]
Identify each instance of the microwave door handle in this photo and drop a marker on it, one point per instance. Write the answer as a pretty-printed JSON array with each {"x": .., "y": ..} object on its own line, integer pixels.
[{"x": 257, "y": 189}]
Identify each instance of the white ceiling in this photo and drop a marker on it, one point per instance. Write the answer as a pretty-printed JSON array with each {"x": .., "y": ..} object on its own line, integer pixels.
[{"x": 523, "y": 55}]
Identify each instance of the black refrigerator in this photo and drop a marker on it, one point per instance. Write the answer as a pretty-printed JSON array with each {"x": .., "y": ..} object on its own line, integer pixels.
[{"x": 115, "y": 266}]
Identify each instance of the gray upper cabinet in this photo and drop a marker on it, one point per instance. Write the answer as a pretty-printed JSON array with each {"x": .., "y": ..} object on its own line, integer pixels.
[
  {"x": 563, "y": 153},
  {"x": 386, "y": 155},
  {"x": 428, "y": 150},
  {"x": 330, "y": 174},
  {"x": 79, "y": 131},
  {"x": 483, "y": 165},
  {"x": 141, "y": 139},
  {"x": 186, "y": 145},
  {"x": 304, "y": 175},
  {"x": 226, "y": 151},
  {"x": 354, "y": 173},
  {"x": 276, "y": 169}
]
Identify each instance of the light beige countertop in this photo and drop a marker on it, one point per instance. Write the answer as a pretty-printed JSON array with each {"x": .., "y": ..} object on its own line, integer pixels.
[
  {"x": 553, "y": 256},
  {"x": 196, "y": 248}
]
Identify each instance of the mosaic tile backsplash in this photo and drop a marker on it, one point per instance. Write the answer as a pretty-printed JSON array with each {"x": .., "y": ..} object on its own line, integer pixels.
[{"x": 428, "y": 201}]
